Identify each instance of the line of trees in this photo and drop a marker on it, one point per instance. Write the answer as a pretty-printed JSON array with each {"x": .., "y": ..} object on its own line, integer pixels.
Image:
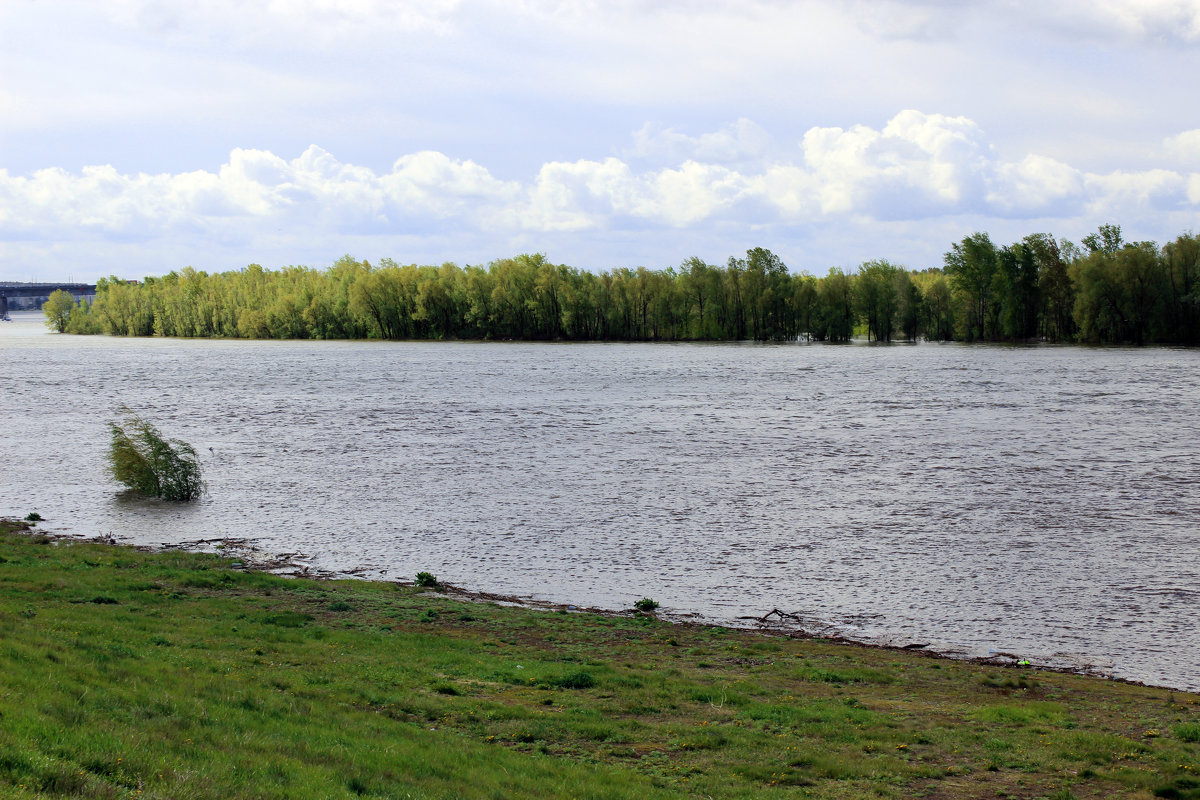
[{"x": 1039, "y": 288}]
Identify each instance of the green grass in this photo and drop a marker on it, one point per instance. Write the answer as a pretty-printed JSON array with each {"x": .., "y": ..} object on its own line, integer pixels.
[{"x": 129, "y": 674}]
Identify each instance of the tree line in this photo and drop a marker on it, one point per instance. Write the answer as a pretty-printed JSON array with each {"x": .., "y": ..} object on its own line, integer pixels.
[{"x": 1102, "y": 290}]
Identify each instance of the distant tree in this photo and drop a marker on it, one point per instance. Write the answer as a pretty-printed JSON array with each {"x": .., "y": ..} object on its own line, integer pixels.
[
  {"x": 805, "y": 305},
  {"x": 1107, "y": 240},
  {"x": 909, "y": 305},
  {"x": 836, "y": 304},
  {"x": 875, "y": 298},
  {"x": 971, "y": 267},
  {"x": 1107, "y": 290},
  {"x": 1181, "y": 262},
  {"x": 1123, "y": 290},
  {"x": 767, "y": 288},
  {"x": 1015, "y": 287},
  {"x": 939, "y": 307},
  {"x": 58, "y": 308},
  {"x": 1056, "y": 293}
]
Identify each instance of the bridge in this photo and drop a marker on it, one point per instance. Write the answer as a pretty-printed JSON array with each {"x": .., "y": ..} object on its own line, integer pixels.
[{"x": 32, "y": 295}]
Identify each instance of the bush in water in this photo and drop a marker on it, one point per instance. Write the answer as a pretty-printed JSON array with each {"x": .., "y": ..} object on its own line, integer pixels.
[{"x": 149, "y": 464}]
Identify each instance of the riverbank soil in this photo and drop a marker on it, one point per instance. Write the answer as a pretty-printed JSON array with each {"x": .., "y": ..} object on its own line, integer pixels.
[{"x": 126, "y": 673}]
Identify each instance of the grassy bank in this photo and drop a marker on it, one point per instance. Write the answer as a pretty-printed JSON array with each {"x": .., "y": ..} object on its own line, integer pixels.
[{"x": 125, "y": 673}]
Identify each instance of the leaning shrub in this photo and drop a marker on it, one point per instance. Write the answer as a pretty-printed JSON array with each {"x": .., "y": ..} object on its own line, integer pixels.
[{"x": 142, "y": 459}]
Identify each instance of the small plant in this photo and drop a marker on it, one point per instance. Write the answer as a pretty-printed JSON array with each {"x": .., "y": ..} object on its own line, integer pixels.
[
  {"x": 646, "y": 605},
  {"x": 573, "y": 680},
  {"x": 1187, "y": 732},
  {"x": 288, "y": 619},
  {"x": 426, "y": 580},
  {"x": 33, "y": 516},
  {"x": 149, "y": 464}
]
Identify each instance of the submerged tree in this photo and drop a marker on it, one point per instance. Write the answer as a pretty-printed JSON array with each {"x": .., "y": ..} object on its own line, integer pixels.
[{"x": 149, "y": 464}]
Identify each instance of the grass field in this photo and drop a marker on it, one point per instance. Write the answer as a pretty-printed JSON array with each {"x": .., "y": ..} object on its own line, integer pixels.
[{"x": 131, "y": 674}]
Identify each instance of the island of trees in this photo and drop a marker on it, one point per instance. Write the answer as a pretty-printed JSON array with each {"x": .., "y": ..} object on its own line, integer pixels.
[{"x": 1105, "y": 290}]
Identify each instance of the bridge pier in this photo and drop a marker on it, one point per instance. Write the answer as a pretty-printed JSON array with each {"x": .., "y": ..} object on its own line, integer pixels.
[{"x": 3, "y": 306}]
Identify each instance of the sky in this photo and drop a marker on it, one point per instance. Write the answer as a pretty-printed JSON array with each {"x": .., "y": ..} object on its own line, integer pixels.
[{"x": 139, "y": 137}]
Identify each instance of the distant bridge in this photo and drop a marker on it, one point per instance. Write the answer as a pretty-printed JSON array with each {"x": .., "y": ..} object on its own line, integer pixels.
[{"x": 32, "y": 295}]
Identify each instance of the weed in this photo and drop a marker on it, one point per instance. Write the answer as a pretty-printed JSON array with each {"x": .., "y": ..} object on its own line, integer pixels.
[
  {"x": 1187, "y": 732},
  {"x": 288, "y": 619},
  {"x": 646, "y": 605},
  {"x": 1008, "y": 682},
  {"x": 573, "y": 680},
  {"x": 1182, "y": 788},
  {"x": 426, "y": 580}
]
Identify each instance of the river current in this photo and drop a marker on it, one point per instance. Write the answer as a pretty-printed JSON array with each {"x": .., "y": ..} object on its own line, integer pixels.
[{"x": 1036, "y": 501}]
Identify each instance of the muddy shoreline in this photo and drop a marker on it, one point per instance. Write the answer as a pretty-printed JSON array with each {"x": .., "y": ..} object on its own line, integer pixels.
[{"x": 243, "y": 555}]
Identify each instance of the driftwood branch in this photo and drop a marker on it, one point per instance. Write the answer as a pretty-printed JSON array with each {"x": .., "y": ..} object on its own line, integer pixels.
[{"x": 775, "y": 612}]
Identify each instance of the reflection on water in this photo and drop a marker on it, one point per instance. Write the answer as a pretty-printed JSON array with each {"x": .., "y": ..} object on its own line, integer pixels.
[{"x": 1040, "y": 501}]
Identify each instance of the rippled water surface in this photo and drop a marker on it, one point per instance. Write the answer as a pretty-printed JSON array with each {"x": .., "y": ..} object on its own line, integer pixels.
[{"x": 1039, "y": 501}]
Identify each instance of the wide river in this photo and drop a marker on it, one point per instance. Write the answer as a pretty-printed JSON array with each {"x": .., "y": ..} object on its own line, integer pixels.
[{"x": 1038, "y": 501}]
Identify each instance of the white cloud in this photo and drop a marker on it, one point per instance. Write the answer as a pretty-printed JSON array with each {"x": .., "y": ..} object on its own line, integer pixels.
[
  {"x": 1036, "y": 184},
  {"x": 254, "y": 184},
  {"x": 917, "y": 168},
  {"x": 1155, "y": 189},
  {"x": 1154, "y": 20},
  {"x": 322, "y": 22},
  {"x": 1184, "y": 147},
  {"x": 1131, "y": 20},
  {"x": 917, "y": 161},
  {"x": 591, "y": 194},
  {"x": 744, "y": 140},
  {"x": 921, "y": 20},
  {"x": 331, "y": 21}
]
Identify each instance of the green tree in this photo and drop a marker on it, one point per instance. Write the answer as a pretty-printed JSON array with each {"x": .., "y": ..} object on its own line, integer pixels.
[
  {"x": 875, "y": 298},
  {"x": 1182, "y": 273},
  {"x": 151, "y": 465},
  {"x": 909, "y": 305},
  {"x": 58, "y": 308},
  {"x": 836, "y": 307},
  {"x": 971, "y": 267},
  {"x": 939, "y": 306},
  {"x": 1015, "y": 287},
  {"x": 1120, "y": 289},
  {"x": 1056, "y": 292}
]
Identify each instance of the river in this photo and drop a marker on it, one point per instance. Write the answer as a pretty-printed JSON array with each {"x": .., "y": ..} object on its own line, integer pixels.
[{"x": 1040, "y": 501}]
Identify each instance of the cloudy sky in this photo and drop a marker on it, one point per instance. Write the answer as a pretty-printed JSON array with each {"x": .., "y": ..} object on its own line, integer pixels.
[{"x": 139, "y": 136}]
